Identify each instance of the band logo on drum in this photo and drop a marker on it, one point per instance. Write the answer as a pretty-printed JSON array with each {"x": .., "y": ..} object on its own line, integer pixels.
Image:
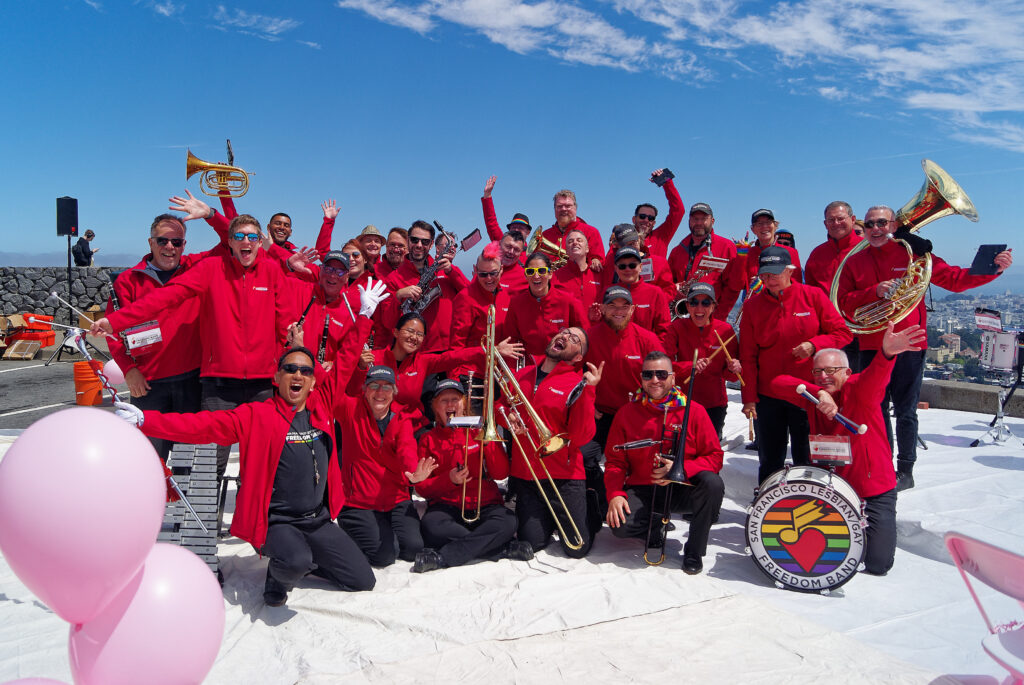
[{"x": 805, "y": 530}]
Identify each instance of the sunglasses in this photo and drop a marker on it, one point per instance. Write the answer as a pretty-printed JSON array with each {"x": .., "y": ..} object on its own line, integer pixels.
[
  {"x": 486, "y": 274},
  {"x": 335, "y": 271},
  {"x": 880, "y": 223},
  {"x": 647, "y": 217},
  {"x": 784, "y": 241},
  {"x": 301, "y": 368},
  {"x": 251, "y": 237},
  {"x": 177, "y": 242},
  {"x": 535, "y": 270},
  {"x": 420, "y": 241},
  {"x": 700, "y": 303},
  {"x": 627, "y": 265},
  {"x": 827, "y": 370},
  {"x": 660, "y": 374}
]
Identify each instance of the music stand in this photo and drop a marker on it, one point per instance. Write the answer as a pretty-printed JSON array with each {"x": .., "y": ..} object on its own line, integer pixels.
[{"x": 990, "y": 320}]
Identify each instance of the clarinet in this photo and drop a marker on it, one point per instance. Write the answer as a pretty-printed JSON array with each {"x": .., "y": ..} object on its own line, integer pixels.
[{"x": 322, "y": 351}]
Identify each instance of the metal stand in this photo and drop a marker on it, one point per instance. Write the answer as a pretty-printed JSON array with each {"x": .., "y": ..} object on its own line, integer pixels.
[{"x": 999, "y": 432}]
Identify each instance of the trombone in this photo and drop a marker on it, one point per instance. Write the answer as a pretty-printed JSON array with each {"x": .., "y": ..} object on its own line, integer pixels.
[
  {"x": 475, "y": 516},
  {"x": 547, "y": 442}
]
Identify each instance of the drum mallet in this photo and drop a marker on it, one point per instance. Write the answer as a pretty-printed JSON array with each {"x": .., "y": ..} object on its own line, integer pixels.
[
  {"x": 727, "y": 355},
  {"x": 847, "y": 423}
]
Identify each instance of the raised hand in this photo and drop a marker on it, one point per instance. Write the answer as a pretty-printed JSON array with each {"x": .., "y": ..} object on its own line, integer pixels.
[
  {"x": 299, "y": 261},
  {"x": 909, "y": 338},
  {"x": 193, "y": 207},
  {"x": 507, "y": 348},
  {"x": 330, "y": 209},
  {"x": 593, "y": 373},
  {"x": 371, "y": 296},
  {"x": 424, "y": 468},
  {"x": 489, "y": 186}
]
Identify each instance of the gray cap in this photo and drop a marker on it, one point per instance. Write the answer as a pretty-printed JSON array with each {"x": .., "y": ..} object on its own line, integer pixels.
[
  {"x": 617, "y": 292},
  {"x": 701, "y": 207},
  {"x": 379, "y": 373},
  {"x": 762, "y": 212},
  {"x": 337, "y": 255},
  {"x": 625, "y": 233},
  {"x": 701, "y": 288},
  {"x": 627, "y": 252},
  {"x": 773, "y": 260}
]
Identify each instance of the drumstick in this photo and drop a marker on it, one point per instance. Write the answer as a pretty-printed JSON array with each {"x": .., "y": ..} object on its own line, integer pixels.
[
  {"x": 750, "y": 428},
  {"x": 712, "y": 355},
  {"x": 847, "y": 423},
  {"x": 728, "y": 356}
]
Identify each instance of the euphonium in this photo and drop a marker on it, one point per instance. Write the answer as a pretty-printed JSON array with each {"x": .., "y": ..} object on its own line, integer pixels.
[
  {"x": 939, "y": 197},
  {"x": 538, "y": 243},
  {"x": 217, "y": 180}
]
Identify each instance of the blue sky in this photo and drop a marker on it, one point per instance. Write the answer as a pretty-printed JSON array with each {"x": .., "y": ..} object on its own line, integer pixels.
[{"x": 400, "y": 110}]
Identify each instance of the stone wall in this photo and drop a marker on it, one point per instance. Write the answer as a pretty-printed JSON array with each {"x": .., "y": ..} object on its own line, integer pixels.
[{"x": 26, "y": 288}]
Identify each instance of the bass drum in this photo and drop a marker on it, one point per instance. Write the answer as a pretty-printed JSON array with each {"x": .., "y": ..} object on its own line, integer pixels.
[{"x": 805, "y": 529}]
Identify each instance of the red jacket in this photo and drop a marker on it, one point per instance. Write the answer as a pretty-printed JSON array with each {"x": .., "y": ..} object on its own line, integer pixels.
[
  {"x": 373, "y": 466},
  {"x": 220, "y": 224},
  {"x": 595, "y": 245},
  {"x": 683, "y": 338},
  {"x": 260, "y": 429},
  {"x": 824, "y": 260},
  {"x": 660, "y": 274},
  {"x": 534, "y": 321},
  {"x": 771, "y": 328},
  {"x": 871, "y": 472},
  {"x": 575, "y": 422},
  {"x": 512, "y": 277},
  {"x": 439, "y": 314},
  {"x": 470, "y": 318},
  {"x": 869, "y": 267},
  {"x": 660, "y": 238},
  {"x": 728, "y": 283},
  {"x": 448, "y": 446},
  {"x": 243, "y": 313},
  {"x": 584, "y": 285},
  {"x": 636, "y": 421},
  {"x": 414, "y": 370},
  {"x": 623, "y": 355},
  {"x": 752, "y": 267},
  {"x": 651, "y": 308}
]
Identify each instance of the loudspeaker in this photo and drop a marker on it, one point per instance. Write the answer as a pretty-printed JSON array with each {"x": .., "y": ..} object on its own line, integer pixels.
[{"x": 67, "y": 216}]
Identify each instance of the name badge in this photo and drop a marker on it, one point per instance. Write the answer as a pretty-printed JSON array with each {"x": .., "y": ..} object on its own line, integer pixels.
[
  {"x": 647, "y": 269},
  {"x": 143, "y": 338},
  {"x": 831, "y": 450}
]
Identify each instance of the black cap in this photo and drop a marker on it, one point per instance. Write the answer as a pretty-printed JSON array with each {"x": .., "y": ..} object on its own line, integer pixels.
[
  {"x": 379, "y": 373},
  {"x": 701, "y": 288},
  {"x": 520, "y": 222},
  {"x": 337, "y": 255},
  {"x": 617, "y": 292},
  {"x": 773, "y": 260},
  {"x": 625, "y": 233},
  {"x": 447, "y": 384},
  {"x": 762, "y": 212},
  {"x": 701, "y": 207},
  {"x": 627, "y": 252}
]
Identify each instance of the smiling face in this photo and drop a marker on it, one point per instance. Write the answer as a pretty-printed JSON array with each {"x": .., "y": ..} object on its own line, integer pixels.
[
  {"x": 378, "y": 395},
  {"x": 356, "y": 263},
  {"x": 700, "y": 308},
  {"x": 397, "y": 248},
  {"x": 409, "y": 338},
  {"x": 576, "y": 245},
  {"x": 628, "y": 269},
  {"x": 830, "y": 382},
  {"x": 566, "y": 346},
  {"x": 419, "y": 244},
  {"x": 839, "y": 222},
  {"x": 245, "y": 250},
  {"x": 643, "y": 220},
  {"x": 511, "y": 249},
  {"x": 617, "y": 313},
  {"x": 488, "y": 273},
  {"x": 701, "y": 224},
  {"x": 294, "y": 386},
  {"x": 280, "y": 228},
  {"x": 333, "y": 278},
  {"x": 764, "y": 229},
  {"x": 657, "y": 388},
  {"x": 878, "y": 226},
  {"x": 166, "y": 257},
  {"x": 539, "y": 277},
  {"x": 372, "y": 244},
  {"x": 565, "y": 210},
  {"x": 447, "y": 405}
]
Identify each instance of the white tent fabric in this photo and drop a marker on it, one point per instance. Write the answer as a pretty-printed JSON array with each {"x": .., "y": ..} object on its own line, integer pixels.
[{"x": 611, "y": 618}]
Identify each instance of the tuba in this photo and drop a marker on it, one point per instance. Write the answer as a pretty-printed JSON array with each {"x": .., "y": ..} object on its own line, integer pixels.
[
  {"x": 939, "y": 197},
  {"x": 538, "y": 243},
  {"x": 217, "y": 180}
]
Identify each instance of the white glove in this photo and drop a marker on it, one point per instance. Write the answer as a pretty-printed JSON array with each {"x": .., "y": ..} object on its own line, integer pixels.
[
  {"x": 371, "y": 296},
  {"x": 128, "y": 412}
]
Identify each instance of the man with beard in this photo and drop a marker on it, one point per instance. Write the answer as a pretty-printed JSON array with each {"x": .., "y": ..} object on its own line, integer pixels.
[
  {"x": 564, "y": 400},
  {"x": 512, "y": 241},
  {"x": 577, "y": 277},
  {"x": 395, "y": 250},
  {"x": 566, "y": 220},
  {"x": 656, "y": 242},
  {"x": 703, "y": 241},
  {"x": 632, "y": 477},
  {"x": 455, "y": 492}
]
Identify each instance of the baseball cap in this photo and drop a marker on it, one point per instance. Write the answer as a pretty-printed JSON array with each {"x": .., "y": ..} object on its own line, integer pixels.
[
  {"x": 762, "y": 212},
  {"x": 701, "y": 288},
  {"x": 773, "y": 260},
  {"x": 617, "y": 292},
  {"x": 701, "y": 207},
  {"x": 379, "y": 373}
]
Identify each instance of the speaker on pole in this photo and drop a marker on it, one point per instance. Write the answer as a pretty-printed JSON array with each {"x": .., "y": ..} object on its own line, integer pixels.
[{"x": 67, "y": 216}]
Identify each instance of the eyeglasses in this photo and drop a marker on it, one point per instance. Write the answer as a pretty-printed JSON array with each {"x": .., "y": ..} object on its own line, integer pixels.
[
  {"x": 535, "y": 270},
  {"x": 573, "y": 338},
  {"x": 335, "y": 271},
  {"x": 301, "y": 368},
  {"x": 412, "y": 332},
  {"x": 880, "y": 223},
  {"x": 660, "y": 374},
  {"x": 627, "y": 265},
  {"x": 827, "y": 370},
  {"x": 487, "y": 274},
  {"x": 177, "y": 242},
  {"x": 251, "y": 237},
  {"x": 377, "y": 387},
  {"x": 700, "y": 303},
  {"x": 647, "y": 217},
  {"x": 420, "y": 241}
]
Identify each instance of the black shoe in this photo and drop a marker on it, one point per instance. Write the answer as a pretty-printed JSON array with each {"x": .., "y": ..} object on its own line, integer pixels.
[
  {"x": 671, "y": 526},
  {"x": 904, "y": 481},
  {"x": 752, "y": 446},
  {"x": 427, "y": 560},
  {"x": 274, "y": 593},
  {"x": 519, "y": 550},
  {"x": 692, "y": 565}
]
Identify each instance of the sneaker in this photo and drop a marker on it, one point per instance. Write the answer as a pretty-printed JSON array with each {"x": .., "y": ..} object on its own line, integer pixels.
[
  {"x": 692, "y": 565},
  {"x": 519, "y": 550},
  {"x": 427, "y": 560},
  {"x": 904, "y": 481},
  {"x": 274, "y": 593}
]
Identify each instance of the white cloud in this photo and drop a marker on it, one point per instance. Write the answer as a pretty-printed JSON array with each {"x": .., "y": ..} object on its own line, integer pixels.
[
  {"x": 168, "y": 8},
  {"x": 263, "y": 26},
  {"x": 95, "y": 5},
  {"x": 833, "y": 93},
  {"x": 413, "y": 18},
  {"x": 309, "y": 44}
]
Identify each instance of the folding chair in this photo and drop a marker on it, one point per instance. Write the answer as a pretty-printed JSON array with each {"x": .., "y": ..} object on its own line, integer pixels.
[{"x": 1002, "y": 571}]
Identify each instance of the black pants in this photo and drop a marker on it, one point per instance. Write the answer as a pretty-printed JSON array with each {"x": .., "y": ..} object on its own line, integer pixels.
[
  {"x": 703, "y": 499},
  {"x": 180, "y": 394},
  {"x": 593, "y": 459},
  {"x": 903, "y": 392},
  {"x": 228, "y": 393},
  {"x": 880, "y": 537},
  {"x": 717, "y": 415},
  {"x": 458, "y": 542},
  {"x": 780, "y": 422},
  {"x": 297, "y": 546},
  {"x": 535, "y": 523},
  {"x": 375, "y": 532}
]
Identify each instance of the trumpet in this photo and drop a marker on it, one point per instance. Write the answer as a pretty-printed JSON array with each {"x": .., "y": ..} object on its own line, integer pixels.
[{"x": 217, "y": 180}]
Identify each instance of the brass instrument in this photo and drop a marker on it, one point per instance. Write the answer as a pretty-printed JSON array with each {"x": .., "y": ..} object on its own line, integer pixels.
[
  {"x": 707, "y": 265},
  {"x": 217, "y": 180},
  {"x": 538, "y": 243},
  {"x": 939, "y": 197}
]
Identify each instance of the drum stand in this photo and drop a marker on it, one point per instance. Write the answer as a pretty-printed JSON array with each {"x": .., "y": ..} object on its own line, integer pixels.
[{"x": 999, "y": 432}]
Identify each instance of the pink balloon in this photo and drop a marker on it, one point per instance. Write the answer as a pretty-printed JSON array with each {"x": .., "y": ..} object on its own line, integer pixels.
[
  {"x": 165, "y": 627},
  {"x": 81, "y": 500},
  {"x": 113, "y": 372}
]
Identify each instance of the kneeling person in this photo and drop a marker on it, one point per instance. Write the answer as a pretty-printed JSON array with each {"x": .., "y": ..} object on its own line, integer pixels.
[
  {"x": 631, "y": 476},
  {"x": 466, "y": 517}
]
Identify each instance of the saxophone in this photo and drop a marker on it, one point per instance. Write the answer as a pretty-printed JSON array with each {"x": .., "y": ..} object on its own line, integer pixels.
[{"x": 429, "y": 274}]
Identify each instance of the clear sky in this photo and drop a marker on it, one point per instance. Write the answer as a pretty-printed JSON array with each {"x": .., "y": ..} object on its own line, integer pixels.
[{"x": 401, "y": 110}]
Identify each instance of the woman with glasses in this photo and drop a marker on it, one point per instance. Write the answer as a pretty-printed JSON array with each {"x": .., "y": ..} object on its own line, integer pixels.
[
  {"x": 702, "y": 333},
  {"x": 538, "y": 313}
]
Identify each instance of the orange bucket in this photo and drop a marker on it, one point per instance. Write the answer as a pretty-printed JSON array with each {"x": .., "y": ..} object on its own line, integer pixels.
[{"x": 88, "y": 388}]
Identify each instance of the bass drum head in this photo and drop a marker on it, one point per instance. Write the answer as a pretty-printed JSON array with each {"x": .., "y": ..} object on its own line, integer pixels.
[{"x": 803, "y": 534}]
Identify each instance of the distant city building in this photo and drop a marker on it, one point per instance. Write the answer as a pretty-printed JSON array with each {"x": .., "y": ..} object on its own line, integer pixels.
[
  {"x": 952, "y": 341},
  {"x": 939, "y": 355}
]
